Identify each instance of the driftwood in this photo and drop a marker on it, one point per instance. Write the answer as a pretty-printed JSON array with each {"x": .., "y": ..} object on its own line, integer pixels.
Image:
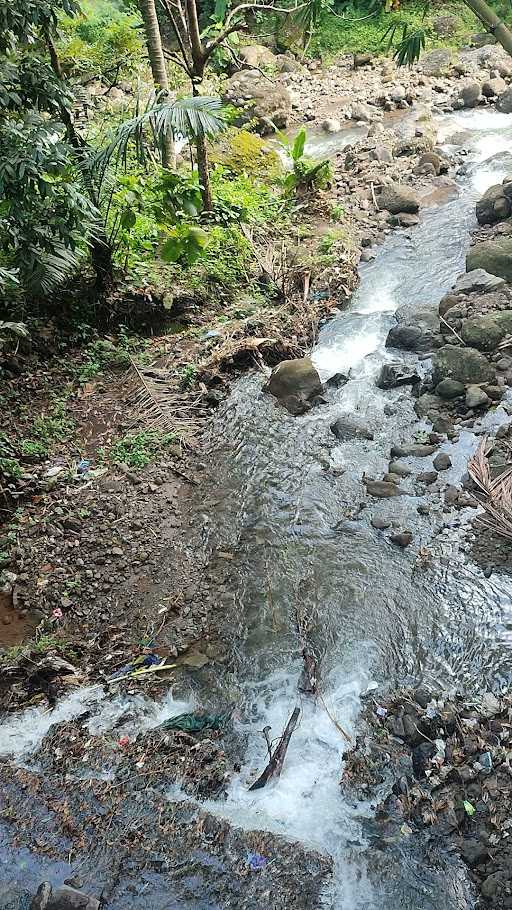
[
  {"x": 275, "y": 765},
  {"x": 308, "y": 683}
]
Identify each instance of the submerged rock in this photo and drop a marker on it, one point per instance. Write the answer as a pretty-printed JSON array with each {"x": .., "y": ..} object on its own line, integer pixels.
[
  {"x": 295, "y": 383},
  {"x": 442, "y": 461},
  {"x": 402, "y": 539},
  {"x": 382, "y": 489},
  {"x": 413, "y": 450},
  {"x": 347, "y": 428},
  {"x": 381, "y": 524}
]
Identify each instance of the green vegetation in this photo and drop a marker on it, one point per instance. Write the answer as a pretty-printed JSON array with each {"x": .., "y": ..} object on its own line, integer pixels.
[
  {"x": 139, "y": 449},
  {"x": 342, "y": 34}
]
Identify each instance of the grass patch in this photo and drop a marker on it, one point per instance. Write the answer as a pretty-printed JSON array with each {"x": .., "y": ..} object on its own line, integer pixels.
[{"x": 139, "y": 449}]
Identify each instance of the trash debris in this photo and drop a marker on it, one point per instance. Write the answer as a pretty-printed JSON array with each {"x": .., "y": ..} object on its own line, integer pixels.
[
  {"x": 83, "y": 466},
  {"x": 256, "y": 861},
  {"x": 123, "y": 742},
  {"x": 57, "y": 614},
  {"x": 381, "y": 712},
  {"x": 148, "y": 661},
  {"x": 195, "y": 722},
  {"x": 469, "y": 808}
]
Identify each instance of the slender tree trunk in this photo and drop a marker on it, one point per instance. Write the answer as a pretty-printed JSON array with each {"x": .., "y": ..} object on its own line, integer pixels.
[
  {"x": 492, "y": 22},
  {"x": 158, "y": 68},
  {"x": 101, "y": 250}
]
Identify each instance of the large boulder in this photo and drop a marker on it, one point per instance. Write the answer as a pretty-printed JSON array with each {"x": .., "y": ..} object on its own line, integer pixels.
[
  {"x": 504, "y": 102},
  {"x": 396, "y": 198},
  {"x": 485, "y": 332},
  {"x": 470, "y": 95},
  {"x": 436, "y": 62},
  {"x": 495, "y": 256},
  {"x": 257, "y": 55},
  {"x": 258, "y": 99},
  {"x": 63, "y": 898},
  {"x": 477, "y": 280},
  {"x": 295, "y": 383},
  {"x": 466, "y": 365},
  {"x": 495, "y": 205}
]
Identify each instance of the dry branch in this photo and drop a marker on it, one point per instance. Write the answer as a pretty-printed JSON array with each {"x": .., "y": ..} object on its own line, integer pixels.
[{"x": 275, "y": 765}]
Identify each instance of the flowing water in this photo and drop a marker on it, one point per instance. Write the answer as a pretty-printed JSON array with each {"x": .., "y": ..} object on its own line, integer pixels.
[{"x": 284, "y": 499}]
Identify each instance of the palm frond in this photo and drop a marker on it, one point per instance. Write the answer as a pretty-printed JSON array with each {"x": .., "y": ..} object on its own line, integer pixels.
[
  {"x": 193, "y": 118},
  {"x": 155, "y": 403},
  {"x": 52, "y": 269},
  {"x": 496, "y": 493}
]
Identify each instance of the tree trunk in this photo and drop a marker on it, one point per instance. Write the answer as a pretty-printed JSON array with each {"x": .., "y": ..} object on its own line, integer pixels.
[
  {"x": 158, "y": 68},
  {"x": 204, "y": 174},
  {"x": 492, "y": 23},
  {"x": 101, "y": 250}
]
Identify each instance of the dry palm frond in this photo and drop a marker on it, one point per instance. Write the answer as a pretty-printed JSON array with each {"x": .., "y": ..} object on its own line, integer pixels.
[
  {"x": 497, "y": 492},
  {"x": 159, "y": 405}
]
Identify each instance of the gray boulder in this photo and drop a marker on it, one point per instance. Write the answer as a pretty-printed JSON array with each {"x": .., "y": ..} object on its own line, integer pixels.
[
  {"x": 402, "y": 539},
  {"x": 399, "y": 469},
  {"x": 442, "y": 461},
  {"x": 347, "y": 428},
  {"x": 396, "y": 198},
  {"x": 494, "y": 256},
  {"x": 396, "y": 374},
  {"x": 466, "y": 365},
  {"x": 63, "y": 898},
  {"x": 470, "y": 95},
  {"x": 477, "y": 280},
  {"x": 257, "y": 55},
  {"x": 504, "y": 102},
  {"x": 295, "y": 383},
  {"x": 269, "y": 104},
  {"x": 436, "y": 62},
  {"x": 362, "y": 113},
  {"x": 494, "y": 205},
  {"x": 485, "y": 332},
  {"x": 450, "y": 388}
]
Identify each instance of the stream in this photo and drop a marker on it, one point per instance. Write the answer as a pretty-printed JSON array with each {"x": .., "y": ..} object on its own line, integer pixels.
[{"x": 284, "y": 501}]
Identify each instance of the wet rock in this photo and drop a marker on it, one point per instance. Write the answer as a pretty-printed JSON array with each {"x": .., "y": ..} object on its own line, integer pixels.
[
  {"x": 382, "y": 489},
  {"x": 470, "y": 95},
  {"x": 494, "y": 256},
  {"x": 338, "y": 380},
  {"x": 396, "y": 198},
  {"x": 491, "y": 886},
  {"x": 401, "y": 470},
  {"x": 477, "y": 280},
  {"x": 381, "y": 524},
  {"x": 347, "y": 428},
  {"x": 295, "y": 383},
  {"x": 63, "y": 898},
  {"x": 473, "y": 851},
  {"x": 414, "y": 450},
  {"x": 447, "y": 302},
  {"x": 504, "y": 102},
  {"x": 396, "y": 374},
  {"x": 427, "y": 477},
  {"x": 422, "y": 696},
  {"x": 268, "y": 104},
  {"x": 392, "y": 478},
  {"x": 420, "y": 758},
  {"x": 465, "y": 365},
  {"x": 423, "y": 509},
  {"x": 442, "y": 462},
  {"x": 402, "y": 539},
  {"x": 406, "y": 220},
  {"x": 449, "y": 389},
  {"x": 476, "y": 397}
]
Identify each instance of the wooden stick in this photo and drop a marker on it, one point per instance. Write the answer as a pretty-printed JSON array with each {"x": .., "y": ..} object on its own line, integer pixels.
[{"x": 275, "y": 765}]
